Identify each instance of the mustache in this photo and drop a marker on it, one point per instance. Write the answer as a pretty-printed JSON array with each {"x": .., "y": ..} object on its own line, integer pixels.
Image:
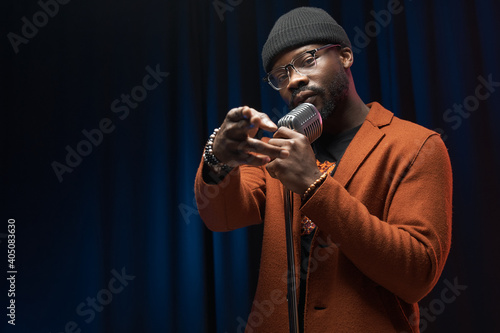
[{"x": 316, "y": 90}]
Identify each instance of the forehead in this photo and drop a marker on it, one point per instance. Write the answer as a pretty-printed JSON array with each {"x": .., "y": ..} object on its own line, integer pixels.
[{"x": 287, "y": 56}]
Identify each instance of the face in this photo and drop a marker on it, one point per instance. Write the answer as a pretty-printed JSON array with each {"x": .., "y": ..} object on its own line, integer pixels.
[{"x": 325, "y": 88}]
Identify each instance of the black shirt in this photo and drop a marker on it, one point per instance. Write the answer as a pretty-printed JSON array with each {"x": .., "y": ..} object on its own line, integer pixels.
[{"x": 329, "y": 149}]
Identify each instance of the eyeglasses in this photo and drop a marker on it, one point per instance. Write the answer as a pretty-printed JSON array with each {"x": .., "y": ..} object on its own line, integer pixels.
[{"x": 303, "y": 64}]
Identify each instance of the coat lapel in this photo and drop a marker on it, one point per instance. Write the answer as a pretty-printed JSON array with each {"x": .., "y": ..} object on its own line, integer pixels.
[{"x": 365, "y": 141}]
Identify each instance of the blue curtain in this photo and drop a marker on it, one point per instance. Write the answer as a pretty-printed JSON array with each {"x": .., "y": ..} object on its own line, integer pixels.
[{"x": 106, "y": 107}]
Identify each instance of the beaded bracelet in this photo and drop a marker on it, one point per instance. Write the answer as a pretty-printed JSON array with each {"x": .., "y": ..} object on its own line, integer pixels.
[
  {"x": 209, "y": 157},
  {"x": 313, "y": 186}
]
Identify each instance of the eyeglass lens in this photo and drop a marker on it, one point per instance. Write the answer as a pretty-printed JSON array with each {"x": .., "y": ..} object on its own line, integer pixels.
[{"x": 303, "y": 65}]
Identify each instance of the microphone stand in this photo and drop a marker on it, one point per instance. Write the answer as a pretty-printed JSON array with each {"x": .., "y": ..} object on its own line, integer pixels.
[
  {"x": 306, "y": 120},
  {"x": 291, "y": 282}
]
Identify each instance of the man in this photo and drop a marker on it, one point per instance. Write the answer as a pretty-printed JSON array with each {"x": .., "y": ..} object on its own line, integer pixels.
[{"x": 372, "y": 196}]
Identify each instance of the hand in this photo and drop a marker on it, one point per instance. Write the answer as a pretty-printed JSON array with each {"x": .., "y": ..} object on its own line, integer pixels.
[
  {"x": 235, "y": 143},
  {"x": 298, "y": 170}
]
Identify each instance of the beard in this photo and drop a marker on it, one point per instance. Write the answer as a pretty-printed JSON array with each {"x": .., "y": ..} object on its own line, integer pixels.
[{"x": 334, "y": 93}]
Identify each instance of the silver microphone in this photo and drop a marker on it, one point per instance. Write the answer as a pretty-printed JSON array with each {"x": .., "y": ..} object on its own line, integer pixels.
[{"x": 304, "y": 119}]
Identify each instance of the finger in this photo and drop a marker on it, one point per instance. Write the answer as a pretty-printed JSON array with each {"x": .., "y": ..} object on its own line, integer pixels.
[
  {"x": 248, "y": 159},
  {"x": 245, "y": 121},
  {"x": 236, "y": 125},
  {"x": 237, "y": 131},
  {"x": 270, "y": 170},
  {"x": 250, "y": 152},
  {"x": 260, "y": 147},
  {"x": 280, "y": 142},
  {"x": 287, "y": 133},
  {"x": 256, "y": 160},
  {"x": 259, "y": 119},
  {"x": 236, "y": 114},
  {"x": 285, "y": 144}
]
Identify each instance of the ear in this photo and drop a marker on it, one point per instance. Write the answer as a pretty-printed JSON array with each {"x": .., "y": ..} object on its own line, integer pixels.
[{"x": 346, "y": 57}]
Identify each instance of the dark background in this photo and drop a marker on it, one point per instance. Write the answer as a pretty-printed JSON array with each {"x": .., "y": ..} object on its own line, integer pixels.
[{"x": 127, "y": 206}]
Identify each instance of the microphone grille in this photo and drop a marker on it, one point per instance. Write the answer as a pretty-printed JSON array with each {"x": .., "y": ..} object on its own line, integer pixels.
[{"x": 304, "y": 119}]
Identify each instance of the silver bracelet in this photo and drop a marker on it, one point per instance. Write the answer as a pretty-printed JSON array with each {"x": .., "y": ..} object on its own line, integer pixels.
[{"x": 209, "y": 157}]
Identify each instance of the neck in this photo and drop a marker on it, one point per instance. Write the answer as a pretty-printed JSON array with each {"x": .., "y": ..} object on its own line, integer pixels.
[{"x": 347, "y": 115}]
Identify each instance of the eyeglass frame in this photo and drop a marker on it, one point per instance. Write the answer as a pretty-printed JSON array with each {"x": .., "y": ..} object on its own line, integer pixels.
[{"x": 290, "y": 64}]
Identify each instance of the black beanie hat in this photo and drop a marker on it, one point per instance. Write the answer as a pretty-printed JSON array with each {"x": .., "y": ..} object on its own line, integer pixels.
[{"x": 301, "y": 26}]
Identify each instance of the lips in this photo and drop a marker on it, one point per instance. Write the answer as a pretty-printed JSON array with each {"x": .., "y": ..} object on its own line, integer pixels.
[{"x": 302, "y": 97}]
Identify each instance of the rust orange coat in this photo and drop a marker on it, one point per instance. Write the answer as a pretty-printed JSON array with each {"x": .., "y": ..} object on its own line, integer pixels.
[{"x": 384, "y": 230}]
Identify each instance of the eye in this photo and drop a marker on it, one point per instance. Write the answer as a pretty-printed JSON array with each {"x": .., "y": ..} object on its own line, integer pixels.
[
  {"x": 281, "y": 76},
  {"x": 308, "y": 61}
]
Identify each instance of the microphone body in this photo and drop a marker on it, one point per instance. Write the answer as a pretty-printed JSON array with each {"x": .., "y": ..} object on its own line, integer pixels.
[{"x": 304, "y": 119}]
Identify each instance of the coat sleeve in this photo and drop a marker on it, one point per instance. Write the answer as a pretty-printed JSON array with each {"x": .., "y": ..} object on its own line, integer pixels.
[
  {"x": 235, "y": 202},
  {"x": 406, "y": 252}
]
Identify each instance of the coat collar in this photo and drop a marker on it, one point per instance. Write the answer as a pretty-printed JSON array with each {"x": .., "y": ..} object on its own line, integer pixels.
[
  {"x": 378, "y": 115},
  {"x": 365, "y": 141}
]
